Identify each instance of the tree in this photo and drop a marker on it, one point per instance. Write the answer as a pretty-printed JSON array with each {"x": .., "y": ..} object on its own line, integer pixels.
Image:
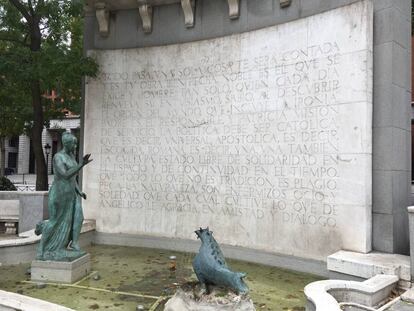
[
  {"x": 14, "y": 114},
  {"x": 42, "y": 50}
]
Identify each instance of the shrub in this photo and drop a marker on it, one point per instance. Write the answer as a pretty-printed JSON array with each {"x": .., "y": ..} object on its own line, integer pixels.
[{"x": 6, "y": 184}]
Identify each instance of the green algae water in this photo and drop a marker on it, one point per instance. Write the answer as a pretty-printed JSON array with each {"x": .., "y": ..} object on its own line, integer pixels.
[{"x": 124, "y": 277}]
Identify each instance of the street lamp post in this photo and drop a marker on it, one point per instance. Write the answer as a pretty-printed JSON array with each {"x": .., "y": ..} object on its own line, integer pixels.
[{"x": 47, "y": 151}]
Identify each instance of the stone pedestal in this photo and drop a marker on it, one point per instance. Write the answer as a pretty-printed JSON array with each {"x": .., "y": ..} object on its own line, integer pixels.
[
  {"x": 186, "y": 301},
  {"x": 60, "y": 271}
]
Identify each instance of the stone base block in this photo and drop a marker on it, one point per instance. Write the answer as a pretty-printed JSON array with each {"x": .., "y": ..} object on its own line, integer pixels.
[
  {"x": 60, "y": 271},
  {"x": 186, "y": 301},
  {"x": 368, "y": 265},
  {"x": 408, "y": 296}
]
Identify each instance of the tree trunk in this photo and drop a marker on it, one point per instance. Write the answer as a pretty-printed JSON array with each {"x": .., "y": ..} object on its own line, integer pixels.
[
  {"x": 38, "y": 117},
  {"x": 2, "y": 156},
  {"x": 41, "y": 171}
]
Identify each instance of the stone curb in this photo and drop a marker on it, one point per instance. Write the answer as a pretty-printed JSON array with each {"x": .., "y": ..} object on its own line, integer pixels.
[
  {"x": 328, "y": 295},
  {"x": 12, "y": 301}
]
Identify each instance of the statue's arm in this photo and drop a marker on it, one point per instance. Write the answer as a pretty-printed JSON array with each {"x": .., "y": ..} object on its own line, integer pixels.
[
  {"x": 79, "y": 191},
  {"x": 59, "y": 166}
]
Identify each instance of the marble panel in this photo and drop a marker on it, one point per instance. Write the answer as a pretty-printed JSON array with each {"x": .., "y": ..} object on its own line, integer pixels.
[{"x": 264, "y": 136}]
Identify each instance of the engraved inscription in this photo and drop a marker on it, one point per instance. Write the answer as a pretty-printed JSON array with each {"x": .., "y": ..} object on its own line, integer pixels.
[
  {"x": 264, "y": 136},
  {"x": 252, "y": 137}
]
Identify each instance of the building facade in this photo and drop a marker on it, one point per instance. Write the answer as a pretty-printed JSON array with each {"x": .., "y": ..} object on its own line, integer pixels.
[{"x": 19, "y": 157}]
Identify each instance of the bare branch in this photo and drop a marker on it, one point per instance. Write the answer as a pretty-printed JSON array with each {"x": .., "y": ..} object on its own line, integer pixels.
[
  {"x": 22, "y": 9},
  {"x": 25, "y": 40},
  {"x": 31, "y": 8}
]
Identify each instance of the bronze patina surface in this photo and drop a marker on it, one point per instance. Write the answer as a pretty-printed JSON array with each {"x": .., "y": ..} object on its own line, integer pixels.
[{"x": 60, "y": 233}]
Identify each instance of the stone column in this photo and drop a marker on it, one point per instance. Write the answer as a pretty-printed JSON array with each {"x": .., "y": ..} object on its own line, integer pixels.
[
  {"x": 391, "y": 125},
  {"x": 24, "y": 155},
  {"x": 411, "y": 222}
]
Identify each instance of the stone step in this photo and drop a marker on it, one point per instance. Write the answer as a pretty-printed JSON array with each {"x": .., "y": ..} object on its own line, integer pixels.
[{"x": 368, "y": 265}]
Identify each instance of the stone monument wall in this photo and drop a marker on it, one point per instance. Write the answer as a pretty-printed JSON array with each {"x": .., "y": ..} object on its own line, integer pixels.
[{"x": 264, "y": 136}]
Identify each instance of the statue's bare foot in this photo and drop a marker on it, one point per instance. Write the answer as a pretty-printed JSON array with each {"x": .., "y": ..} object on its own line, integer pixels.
[{"x": 75, "y": 246}]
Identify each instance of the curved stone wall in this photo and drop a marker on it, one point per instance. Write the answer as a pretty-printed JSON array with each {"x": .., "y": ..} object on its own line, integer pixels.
[
  {"x": 264, "y": 136},
  {"x": 211, "y": 20}
]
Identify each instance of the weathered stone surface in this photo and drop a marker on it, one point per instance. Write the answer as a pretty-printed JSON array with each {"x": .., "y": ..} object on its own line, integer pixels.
[
  {"x": 263, "y": 136},
  {"x": 33, "y": 208},
  {"x": 408, "y": 296},
  {"x": 401, "y": 306},
  {"x": 368, "y": 265},
  {"x": 328, "y": 294},
  {"x": 185, "y": 301},
  {"x": 59, "y": 271},
  {"x": 28, "y": 207}
]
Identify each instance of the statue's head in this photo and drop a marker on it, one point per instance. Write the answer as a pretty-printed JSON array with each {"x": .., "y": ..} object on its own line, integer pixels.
[
  {"x": 204, "y": 234},
  {"x": 69, "y": 141}
]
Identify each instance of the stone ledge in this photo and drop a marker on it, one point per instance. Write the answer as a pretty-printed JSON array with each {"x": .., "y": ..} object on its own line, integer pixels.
[
  {"x": 330, "y": 295},
  {"x": 12, "y": 195},
  {"x": 12, "y": 301},
  {"x": 408, "y": 296},
  {"x": 368, "y": 265}
]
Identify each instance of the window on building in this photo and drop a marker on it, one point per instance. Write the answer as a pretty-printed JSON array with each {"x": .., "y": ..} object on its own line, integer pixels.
[
  {"x": 14, "y": 142},
  {"x": 12, "y": 160}
]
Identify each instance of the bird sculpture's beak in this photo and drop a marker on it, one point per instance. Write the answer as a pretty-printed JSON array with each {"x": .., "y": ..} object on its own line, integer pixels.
[{"x": 198, "y": 233}]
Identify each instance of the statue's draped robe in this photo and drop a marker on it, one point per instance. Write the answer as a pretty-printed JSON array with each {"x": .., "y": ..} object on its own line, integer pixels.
[{"x": 62, "y": 204}]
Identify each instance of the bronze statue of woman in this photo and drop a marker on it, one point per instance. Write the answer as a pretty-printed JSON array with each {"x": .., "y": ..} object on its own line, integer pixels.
[{"x": 64, "y": 204}]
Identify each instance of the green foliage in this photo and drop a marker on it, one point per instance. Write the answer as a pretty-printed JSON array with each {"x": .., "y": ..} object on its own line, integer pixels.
[
  {"x": 58, "y": 65},
  {"x": 6, "y": 184},
  {"x": 14, "y": 112}
]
